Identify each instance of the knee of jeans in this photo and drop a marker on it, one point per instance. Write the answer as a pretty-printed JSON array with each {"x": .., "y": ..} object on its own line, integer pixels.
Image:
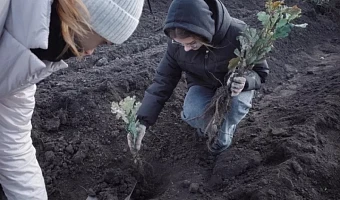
[
  {"x": 187, "y": 116},
  {"x": 244, "y": 105},
  {"x": 239, "y": 108},
  {"x": 194, "y": 121},
  {"x": 244, "y": 99},
  {"x": 191, "y": 112}
]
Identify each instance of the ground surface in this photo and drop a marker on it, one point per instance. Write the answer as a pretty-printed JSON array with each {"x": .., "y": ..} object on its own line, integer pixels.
[{"x": 288, "y": 147}]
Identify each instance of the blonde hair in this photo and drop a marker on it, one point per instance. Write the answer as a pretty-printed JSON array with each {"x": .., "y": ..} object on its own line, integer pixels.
[{"x": 74, "y": 18}]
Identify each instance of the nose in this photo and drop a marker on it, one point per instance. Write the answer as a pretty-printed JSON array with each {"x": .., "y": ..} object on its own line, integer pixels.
[
  {"x": 187, "y": 48},
  {"x": 89, "y": 52}
]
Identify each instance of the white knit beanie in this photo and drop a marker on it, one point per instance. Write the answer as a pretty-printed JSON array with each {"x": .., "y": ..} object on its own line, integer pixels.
[{"x": 114, "y": 20}]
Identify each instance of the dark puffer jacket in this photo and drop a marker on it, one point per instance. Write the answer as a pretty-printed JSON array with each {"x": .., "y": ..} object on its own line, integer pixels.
[{"x": 205, "y": 67}]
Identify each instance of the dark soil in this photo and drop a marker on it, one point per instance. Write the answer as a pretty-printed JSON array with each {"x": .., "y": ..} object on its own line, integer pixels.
[{"x": 288, "y": 147}]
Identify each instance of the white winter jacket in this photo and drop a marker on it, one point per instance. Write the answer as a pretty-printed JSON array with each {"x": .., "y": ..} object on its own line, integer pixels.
[{"x": 24, "y": 25}]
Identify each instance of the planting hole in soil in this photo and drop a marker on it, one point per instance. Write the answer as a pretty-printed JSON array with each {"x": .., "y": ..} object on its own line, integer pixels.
[{"x": 151, "y": 181}]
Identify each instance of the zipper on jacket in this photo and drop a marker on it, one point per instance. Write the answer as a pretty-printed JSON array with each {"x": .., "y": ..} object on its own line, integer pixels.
[
  {"x": 206, "y": 54},
  {"x": 209, "y": 74},
  {"x": 205, "y": 63}
]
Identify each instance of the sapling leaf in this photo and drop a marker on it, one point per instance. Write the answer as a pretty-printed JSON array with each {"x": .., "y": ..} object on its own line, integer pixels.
[
  {"x": 282, "y": 32},
  {"x": 263, "y": 17},
  {"x": 120, "y": 113},
  {"x": 282, "y": 22},
  {"x": 237, "y": 52},
  {"x": 276, "y": 4},
  {"x": 233, "y": 63},
  {"x": 294, "y": 12}
]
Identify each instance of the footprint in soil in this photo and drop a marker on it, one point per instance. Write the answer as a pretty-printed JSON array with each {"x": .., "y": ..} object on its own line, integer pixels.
[{"x": 232, "y": 163}]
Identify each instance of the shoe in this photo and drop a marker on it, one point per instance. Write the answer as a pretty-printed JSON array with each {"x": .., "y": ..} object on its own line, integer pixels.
[
  {"x": 215, "y": 147},
  {"x": 199, "y": 133}
]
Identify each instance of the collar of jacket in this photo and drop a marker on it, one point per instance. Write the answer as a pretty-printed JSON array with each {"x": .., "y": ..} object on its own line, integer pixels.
[
  {"x": 56, "y": 42},
  {"x": 207, "y": 18}
]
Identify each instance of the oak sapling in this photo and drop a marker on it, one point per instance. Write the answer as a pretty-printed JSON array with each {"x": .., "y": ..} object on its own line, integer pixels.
[{"x": 254, "y": 46}]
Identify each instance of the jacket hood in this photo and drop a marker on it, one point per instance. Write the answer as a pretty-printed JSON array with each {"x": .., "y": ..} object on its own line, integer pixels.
[{"x": 207, "y": 18}]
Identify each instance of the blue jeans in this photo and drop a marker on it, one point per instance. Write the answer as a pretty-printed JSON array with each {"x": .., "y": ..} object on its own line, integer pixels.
[{"x": 199, "y": 97}]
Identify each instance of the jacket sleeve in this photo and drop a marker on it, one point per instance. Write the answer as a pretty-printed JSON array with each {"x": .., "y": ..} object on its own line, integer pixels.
[
  {"x": 166, "y": 79},
  {"x": 4, "y": 6},
  {"x": 257, "y": 76},
  {"x": 15, "y": 121}
]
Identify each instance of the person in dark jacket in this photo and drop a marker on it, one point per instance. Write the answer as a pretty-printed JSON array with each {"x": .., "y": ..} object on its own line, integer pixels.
[{"x": 202, "y": 42}]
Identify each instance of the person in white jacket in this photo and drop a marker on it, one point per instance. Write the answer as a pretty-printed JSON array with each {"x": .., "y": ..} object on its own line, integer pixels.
[{"x": 35, "y": 37}]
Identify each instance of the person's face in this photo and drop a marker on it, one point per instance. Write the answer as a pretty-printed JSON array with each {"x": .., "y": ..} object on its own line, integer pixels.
[
  {"x": 90, "y": 41},
  {"x": 188, "y": 43}
]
